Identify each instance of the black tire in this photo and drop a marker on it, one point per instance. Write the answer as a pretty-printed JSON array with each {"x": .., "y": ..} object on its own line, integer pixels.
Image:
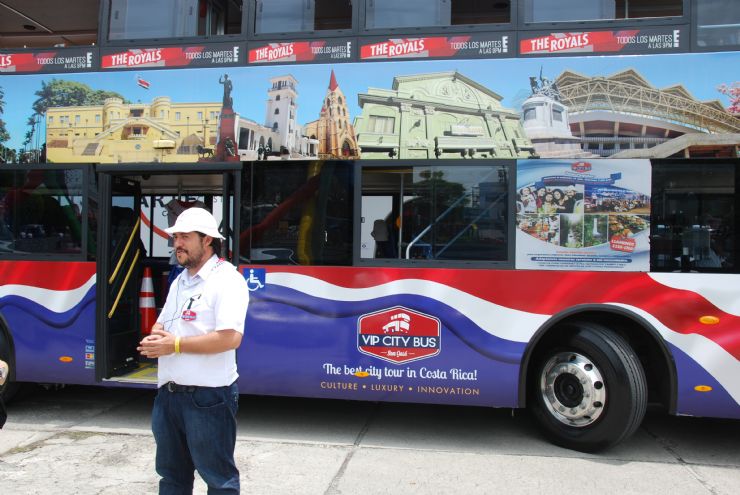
[{"x": 589, "y": 393}]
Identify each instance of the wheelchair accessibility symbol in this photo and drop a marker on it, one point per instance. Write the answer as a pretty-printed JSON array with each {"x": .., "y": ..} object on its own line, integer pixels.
[{"x": 255, "y": 278}]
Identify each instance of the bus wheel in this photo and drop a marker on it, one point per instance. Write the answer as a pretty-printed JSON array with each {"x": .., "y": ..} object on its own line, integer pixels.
[{"x": 590, "y": 392}]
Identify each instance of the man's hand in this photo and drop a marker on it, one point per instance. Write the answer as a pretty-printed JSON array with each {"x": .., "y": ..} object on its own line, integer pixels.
[
  {"x": 159, "y": 343},
  {"x": 3, "y": 372}
]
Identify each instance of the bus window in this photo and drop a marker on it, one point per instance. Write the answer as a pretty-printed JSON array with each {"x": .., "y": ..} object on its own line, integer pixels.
[
  {"x": 435, "y": 213},
  {"x": 142, "y": 19},
  {"x": 606, "y": 10},
  {"x": 41, "y": 212},
  {"x": 295, "y": 16},
  {"x": 717, "y": 23},
  {"x": 694, "y": 217},
  {"x": 423, "y": 13},
  {"x": 299, "y": 213}
]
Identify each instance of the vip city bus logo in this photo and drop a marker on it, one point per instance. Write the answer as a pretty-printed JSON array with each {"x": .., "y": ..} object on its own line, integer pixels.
[
  {"x": 581, "y": 167},
  {"x": 398, "y": 335}
]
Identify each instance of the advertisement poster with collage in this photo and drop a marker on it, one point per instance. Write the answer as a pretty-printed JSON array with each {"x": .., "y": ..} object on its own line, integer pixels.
[
  {"x": 200, "y": 104},
  {"x": 583, "y": 215}
]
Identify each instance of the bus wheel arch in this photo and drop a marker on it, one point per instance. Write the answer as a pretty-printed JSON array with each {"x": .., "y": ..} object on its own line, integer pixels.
[
  {"x": 7, "y": 354},
  {"x": 590, "y": 341}
]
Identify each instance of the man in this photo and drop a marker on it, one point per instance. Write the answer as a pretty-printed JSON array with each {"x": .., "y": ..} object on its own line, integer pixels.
[
  {"x": 3, "y": 377},
  {"x": 195, "y": 340}
]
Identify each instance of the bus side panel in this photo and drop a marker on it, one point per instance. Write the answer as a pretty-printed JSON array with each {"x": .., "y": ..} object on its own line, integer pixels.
[
  {"x": 698, "y": 316},
  {"x": 309, "y": 329},
  {"x": 325, "y": 332},
  {"x": 699, "y": 393},
  {"x": 49, "y": 308}
]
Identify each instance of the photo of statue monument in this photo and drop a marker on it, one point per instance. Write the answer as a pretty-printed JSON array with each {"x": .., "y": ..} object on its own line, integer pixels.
[{"x": 228, "y": 86}]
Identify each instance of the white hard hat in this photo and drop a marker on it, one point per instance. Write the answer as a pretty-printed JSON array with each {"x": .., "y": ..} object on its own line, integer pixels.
[{"x": 196, "y": 220}]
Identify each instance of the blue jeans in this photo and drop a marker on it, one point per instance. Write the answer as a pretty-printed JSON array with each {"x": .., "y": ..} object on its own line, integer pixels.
[{"x": 195, "y": 428}]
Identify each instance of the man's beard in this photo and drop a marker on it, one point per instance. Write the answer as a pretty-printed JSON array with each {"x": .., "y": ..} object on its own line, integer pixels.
[{"x": 191, "y": 259}]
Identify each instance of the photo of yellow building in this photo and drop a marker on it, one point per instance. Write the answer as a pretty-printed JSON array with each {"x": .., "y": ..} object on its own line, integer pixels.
[{"x": 118, "y": 132}]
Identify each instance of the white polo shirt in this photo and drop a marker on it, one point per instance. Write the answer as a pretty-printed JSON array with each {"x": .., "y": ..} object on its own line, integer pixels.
[{"x": 216, "y": 298}]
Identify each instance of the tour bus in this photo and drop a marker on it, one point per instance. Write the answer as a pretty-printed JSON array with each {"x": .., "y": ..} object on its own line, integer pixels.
[{"x": 501, "y": 205}]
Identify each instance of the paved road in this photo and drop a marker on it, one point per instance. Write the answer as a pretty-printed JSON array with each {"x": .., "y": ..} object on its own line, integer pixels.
[{"x": 97, "y": 441}]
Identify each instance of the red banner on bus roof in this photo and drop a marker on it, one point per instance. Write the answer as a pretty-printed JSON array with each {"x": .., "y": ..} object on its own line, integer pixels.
[
  {"x": 59, "y": 60},
  {"x": 469, "y": 46},
  {"x": 660, "y": 39},
  {"x": 211, "y": 55},
  {"x": 330, "y": 50}
]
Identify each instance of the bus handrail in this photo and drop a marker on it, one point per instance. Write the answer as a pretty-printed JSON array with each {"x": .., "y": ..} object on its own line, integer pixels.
[
  {"x": 440, "y": 217},
  {"x": 123, "y": 285},
  {"x": 462, "y": 231},
  {"x": 125, "y": 250}
]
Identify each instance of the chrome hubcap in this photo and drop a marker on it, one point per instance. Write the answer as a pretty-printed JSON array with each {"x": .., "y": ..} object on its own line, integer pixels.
[{"x": 573, "y": 389}]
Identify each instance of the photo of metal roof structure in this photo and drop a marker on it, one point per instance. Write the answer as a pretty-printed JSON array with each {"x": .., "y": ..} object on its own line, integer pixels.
[{"x": 624, "y": 116}]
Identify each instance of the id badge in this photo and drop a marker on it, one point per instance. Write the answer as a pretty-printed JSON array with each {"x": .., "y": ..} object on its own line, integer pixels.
[{"x": 189, "y": 315}]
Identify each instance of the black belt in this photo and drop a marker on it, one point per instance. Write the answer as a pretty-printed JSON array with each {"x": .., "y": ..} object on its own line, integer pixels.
[{"x": 174, "y": 387}]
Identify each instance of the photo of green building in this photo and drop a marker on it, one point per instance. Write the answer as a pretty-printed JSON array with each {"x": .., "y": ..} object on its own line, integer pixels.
[{"x": 443, "y": 115}]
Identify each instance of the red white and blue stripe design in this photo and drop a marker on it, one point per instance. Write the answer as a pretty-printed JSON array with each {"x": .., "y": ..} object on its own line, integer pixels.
[
  {"x": 301, "y": 335},
  {"x": 49, "y": 308},
  {"x": 307, "y": 317}
]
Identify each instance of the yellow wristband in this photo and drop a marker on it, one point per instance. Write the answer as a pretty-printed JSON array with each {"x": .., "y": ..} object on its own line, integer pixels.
[{"x": 177, "y": 345}]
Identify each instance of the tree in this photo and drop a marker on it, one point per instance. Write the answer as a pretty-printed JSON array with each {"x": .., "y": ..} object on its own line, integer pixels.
[
  {"x": 61, "y": 93},
  {"x": 4, "y": 134},
  {"x": 99, "y": 96},
  {"x": 33, "y": 122},
  {"x": 27, "y": 140},
  {"x": 733, "y": 92},
  {"x": 45, "y": 94}
]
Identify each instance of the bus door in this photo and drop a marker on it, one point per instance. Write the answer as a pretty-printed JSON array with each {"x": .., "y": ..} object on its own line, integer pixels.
[
  {"x": 118, "y": 273},
  {"x": 123, "y": 251}
]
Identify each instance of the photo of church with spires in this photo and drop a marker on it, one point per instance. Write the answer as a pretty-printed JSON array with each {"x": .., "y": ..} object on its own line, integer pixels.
[{"x": 334, "y": 130}]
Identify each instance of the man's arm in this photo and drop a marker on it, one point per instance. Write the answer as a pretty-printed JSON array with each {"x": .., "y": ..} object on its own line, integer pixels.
[{"x": 162, "y": 343}]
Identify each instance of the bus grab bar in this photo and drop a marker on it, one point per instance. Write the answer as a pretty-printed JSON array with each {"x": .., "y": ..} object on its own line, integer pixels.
[
  {"x": 125, "y": 250},
  {"x": 125, "y": 282}
]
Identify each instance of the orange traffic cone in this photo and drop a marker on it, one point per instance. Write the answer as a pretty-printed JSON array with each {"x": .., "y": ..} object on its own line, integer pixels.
[{"x": 147, "y": 309}]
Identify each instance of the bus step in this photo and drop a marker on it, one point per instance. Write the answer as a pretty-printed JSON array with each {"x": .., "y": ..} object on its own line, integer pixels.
[{"x": 145, "y": 372}]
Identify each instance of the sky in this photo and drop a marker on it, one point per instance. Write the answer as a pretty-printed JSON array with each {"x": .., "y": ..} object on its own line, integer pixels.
[{"x": 699, "y": 73}]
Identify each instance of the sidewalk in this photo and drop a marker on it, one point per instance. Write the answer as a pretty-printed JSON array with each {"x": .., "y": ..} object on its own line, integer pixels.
[{"x": 97, "y": 441}]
